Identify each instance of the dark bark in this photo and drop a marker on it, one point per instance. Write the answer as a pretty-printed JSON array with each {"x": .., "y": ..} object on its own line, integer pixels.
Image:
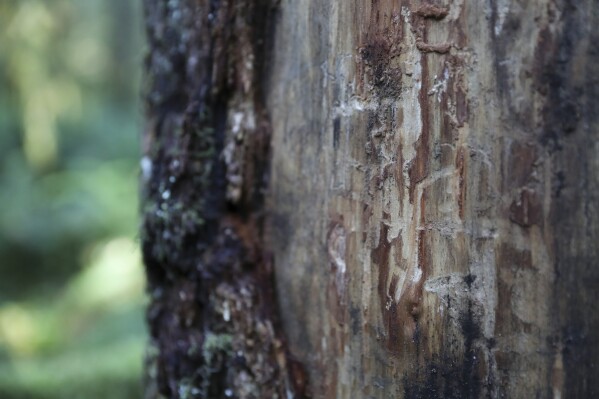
[{"x": 212, "y": 316}]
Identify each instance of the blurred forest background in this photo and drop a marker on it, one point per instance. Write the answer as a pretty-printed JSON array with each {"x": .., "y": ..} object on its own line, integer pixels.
[{"x": 71, "y": 281}]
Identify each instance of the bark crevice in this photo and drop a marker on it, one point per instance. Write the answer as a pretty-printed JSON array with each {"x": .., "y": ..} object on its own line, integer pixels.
[{"x": 212, "y": 315}]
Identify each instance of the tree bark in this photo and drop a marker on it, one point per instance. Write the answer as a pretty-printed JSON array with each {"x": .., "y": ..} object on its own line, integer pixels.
[
  {"x": 372, "y": 199},
  {"x": 213, "y": 325}
]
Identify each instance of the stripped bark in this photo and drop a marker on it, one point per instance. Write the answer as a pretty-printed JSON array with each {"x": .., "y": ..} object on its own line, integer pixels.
[{"x": 453, "y": 147}]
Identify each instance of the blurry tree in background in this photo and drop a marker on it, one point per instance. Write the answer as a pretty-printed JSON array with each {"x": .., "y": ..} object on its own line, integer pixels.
[{"x": 71, "y": 284}]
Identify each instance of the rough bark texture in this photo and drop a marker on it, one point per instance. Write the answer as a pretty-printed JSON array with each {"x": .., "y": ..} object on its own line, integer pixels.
[
  {"x": 431, "y": 172},
  {"x": 212, "y": 315}
]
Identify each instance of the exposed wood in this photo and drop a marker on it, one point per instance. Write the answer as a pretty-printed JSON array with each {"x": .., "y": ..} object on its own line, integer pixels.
[{"x": 433, "y": 196}]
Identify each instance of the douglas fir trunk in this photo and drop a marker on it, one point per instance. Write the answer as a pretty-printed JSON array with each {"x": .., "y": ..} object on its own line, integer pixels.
[{"x": 372, "y": 199}]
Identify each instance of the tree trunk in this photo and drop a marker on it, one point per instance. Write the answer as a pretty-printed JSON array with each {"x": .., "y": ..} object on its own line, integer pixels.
[{"x": 373, "y": 199}]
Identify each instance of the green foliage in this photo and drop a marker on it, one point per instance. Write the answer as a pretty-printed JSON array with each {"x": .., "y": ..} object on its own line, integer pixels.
[
  {"x": 69, "y": 116},
  {"x": 71, "y": 281},
  {"x": 94, "y": 373}
]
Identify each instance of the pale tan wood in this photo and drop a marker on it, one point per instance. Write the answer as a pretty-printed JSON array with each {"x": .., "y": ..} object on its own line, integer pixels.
[{"x": 432, "y": 201}]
